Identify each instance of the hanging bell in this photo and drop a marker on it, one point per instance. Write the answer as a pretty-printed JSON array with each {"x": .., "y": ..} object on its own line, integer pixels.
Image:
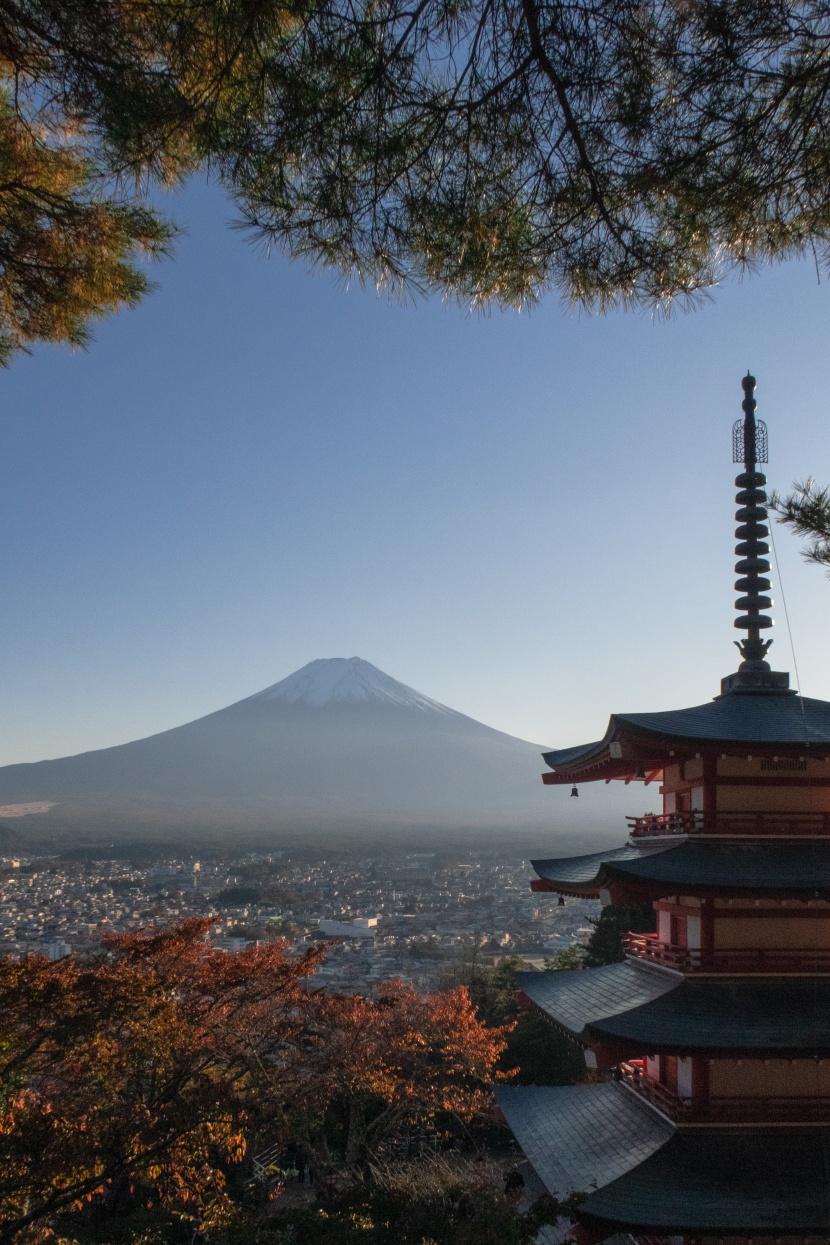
[
  {"x": 561, "y": 902},
  {"x": 574, "y": 791}
]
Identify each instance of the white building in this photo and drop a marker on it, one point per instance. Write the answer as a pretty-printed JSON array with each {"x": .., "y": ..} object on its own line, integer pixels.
[{"x": 361, "y": 927}]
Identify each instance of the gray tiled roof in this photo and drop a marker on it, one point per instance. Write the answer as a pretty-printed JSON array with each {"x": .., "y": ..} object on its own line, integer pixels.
[
  {"x": 574, "y": 999},
  {"x": 762, "y": 1180},
  {"x": 785, "y": 1015},
  {"x": 579, "y": 1137},
  {"x": 564, "y": 756},
  {"x": 584, "y": 869},
  {"x": 781, "y": 866},
  {"x": 793, "y": 867},
  {"x": 773, "y": 719}
]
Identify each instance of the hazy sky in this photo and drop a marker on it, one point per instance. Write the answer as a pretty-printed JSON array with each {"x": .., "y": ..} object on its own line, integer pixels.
[{"x": 526, "y": 517}]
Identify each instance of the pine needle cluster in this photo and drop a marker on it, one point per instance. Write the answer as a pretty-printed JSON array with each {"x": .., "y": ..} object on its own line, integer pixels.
[{"x": 617, "y": 151}]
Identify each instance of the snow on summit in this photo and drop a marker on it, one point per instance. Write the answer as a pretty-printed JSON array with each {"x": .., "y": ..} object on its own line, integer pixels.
[{"x": 330, "y": 679}]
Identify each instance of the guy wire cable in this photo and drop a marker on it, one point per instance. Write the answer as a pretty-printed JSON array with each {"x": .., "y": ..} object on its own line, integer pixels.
[
  {"x": 816, "y": 1057},
  {"x": 789, "y": 631}
]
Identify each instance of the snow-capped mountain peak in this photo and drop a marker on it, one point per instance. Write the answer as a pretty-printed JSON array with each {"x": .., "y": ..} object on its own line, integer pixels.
[{"x": 338, "y": 679}]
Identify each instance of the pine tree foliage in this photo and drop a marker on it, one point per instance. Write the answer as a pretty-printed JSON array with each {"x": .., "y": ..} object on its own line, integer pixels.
[
  {"x": 806, "y": 511},
  {"x": 618, "y": 151},
  {"x": 605, "y": 945}
]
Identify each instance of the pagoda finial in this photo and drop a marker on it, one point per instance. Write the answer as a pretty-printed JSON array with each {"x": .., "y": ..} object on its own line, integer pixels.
[{"x": 749, "y": 446}]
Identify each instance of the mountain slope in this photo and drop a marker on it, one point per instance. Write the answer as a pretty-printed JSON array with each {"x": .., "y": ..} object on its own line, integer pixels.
[{"x": 336, "y": 743}]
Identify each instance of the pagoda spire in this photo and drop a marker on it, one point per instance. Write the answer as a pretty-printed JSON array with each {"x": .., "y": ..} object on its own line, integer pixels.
[{"x": 749, "y": 447}]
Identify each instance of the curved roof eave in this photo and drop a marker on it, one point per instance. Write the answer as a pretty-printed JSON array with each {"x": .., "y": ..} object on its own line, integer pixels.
[
  {"x": 785, "y": 1017},
  {"x": 561, "y": 757},
  {"x": 789, "y": 868},
  {"x": 573, "y": 999},
  {"x": 583, "y": 872},
  {"x": 731, "y": 1181},
  {"x": 762, "y": 720}
]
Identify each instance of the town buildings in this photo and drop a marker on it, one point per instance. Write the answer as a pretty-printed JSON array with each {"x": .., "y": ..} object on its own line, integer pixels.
[
  {"x": 707, "y": 1115},
  {"x": 425, "y": 908}
]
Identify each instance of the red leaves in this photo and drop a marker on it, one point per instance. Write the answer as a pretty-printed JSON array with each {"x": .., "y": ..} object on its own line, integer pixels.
[{"x": 139, "y": 1076}]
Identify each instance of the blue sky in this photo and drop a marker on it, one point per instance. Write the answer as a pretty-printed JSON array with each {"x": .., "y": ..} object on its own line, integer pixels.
[{"x": 528, "y": 517}]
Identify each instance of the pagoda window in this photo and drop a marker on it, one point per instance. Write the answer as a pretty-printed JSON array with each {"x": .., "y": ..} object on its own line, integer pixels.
[
  {"x": 665, "y": 928},
  {"x": 684, "y": 1078},
  {"x": 693, "y": 933}
]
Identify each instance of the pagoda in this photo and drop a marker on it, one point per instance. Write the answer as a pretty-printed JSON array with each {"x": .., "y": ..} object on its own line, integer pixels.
[{"x": 708, "y": 1113}]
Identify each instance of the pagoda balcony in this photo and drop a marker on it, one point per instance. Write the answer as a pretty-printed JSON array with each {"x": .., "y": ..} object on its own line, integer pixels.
[
  {"x": 739, "y": 960},
  {"x": 662, "y": 825},
  {"x": 761, "y": 1110}
]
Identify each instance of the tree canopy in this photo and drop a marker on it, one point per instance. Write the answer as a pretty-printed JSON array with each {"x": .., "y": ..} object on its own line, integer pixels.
[
  {"x": 613, "y": 150},
  {"x": 132, "y": 1083}
]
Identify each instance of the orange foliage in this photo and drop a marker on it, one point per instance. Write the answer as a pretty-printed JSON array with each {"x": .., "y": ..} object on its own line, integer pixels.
[
  {"x": 136, "y": 1078},
  {"x": 134, "y": 1071},
  {"x": 395, "y": 1060}
]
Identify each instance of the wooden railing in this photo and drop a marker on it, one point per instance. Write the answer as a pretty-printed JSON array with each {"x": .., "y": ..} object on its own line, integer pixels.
[
  {"x": 659, "y": 825},
  {"x": 633, "y": 1074},
  {"x": 761, "y": 1110},
  {"x": 743, "y": 960}
]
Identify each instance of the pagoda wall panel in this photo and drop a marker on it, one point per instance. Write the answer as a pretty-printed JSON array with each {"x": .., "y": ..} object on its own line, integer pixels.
[
  {"x": 768, "y": 768},
  {"x": 771, "y": 933},
  {"x": 693, "y": 770},
  {"x": 672, "y": 777},
  {"x": 776, "y": 1078},
  {"x": 772, "y": 799}
]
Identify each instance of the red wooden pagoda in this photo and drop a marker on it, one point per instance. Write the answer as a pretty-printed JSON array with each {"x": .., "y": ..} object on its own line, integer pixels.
[{"x": 713, "y": 1118}]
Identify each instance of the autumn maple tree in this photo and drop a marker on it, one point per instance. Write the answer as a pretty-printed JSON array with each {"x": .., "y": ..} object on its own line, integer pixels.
[
  {"x": 398, "y": 1060},
  {"x": 128, "y": 1080},
  {"x": 135, "y": 1082}
]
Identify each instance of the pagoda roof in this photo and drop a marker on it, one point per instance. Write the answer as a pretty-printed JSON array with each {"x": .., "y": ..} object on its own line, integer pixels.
[
  {"x": 577, "y": 1137},
  {"x": 576, "y": 998},
  {"x": 759, "y": 720},
  {"x": 760, "y": 1180},
  {"x": 640, "y": 1172},
  {"x": 785, "y": 868},
  {"x": 581, "y": 871},
  {"x": 649, "y": 1010}
]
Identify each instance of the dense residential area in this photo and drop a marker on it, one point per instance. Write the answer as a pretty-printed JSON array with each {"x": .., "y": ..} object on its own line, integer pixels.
[{"x": 384, "y": 916}]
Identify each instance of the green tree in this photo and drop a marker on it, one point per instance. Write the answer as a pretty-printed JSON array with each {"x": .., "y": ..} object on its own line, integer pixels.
[
  {"x": 605, "y": 944},
  {"x": 610, "y": 150},
  {"x": 570, "y": 958},
  {"x": 536, "y": 1053}
]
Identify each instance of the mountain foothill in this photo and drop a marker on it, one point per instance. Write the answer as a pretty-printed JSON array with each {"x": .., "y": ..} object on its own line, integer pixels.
[{"x": 337, "y": 747}]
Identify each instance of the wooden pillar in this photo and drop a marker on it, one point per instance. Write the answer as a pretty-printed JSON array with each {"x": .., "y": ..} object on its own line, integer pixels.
[
  {"x": 707, "y": 932},
  {"x": 700, "y": 1082},
  {"x": 710, "y": 790}
]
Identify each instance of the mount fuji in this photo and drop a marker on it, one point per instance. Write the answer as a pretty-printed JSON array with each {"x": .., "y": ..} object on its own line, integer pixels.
[{"x": 337, "y": 744}]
